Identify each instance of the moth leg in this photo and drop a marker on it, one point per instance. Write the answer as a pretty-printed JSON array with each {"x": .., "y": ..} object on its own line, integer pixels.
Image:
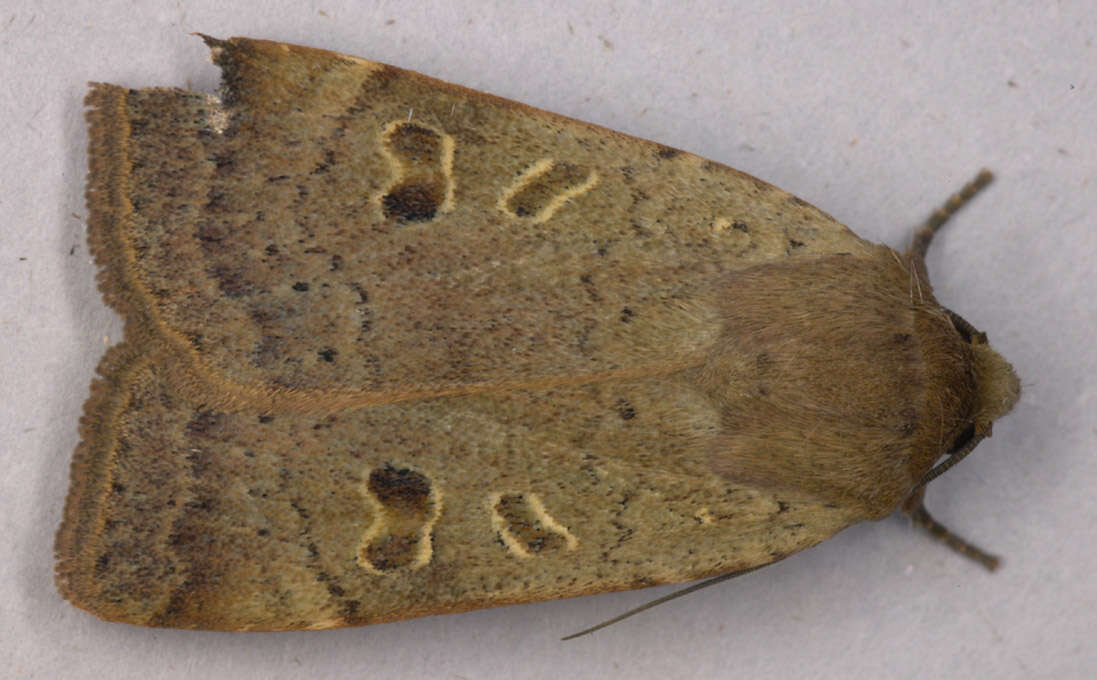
[
  {"x": 915, "y": 507},
  {"x": 666, "y": 598}
]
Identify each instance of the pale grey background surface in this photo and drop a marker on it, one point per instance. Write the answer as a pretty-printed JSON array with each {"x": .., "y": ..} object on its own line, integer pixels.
[{"x": 873, "y": 111}]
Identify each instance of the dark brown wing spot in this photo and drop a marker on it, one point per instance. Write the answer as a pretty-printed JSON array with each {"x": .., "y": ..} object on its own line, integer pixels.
[
  {"x": 400, "y": 489},
  {"x": 414, "y": 202},
  {"x": 523, "y": 524},
  {"x": 401, "y": 530},
  {"x": 538, "y": 193},
  {"x": 422, "y": 170}
]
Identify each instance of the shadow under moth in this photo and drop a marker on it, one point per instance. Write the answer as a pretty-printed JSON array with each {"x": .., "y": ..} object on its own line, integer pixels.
[{"x": 394, "y": 347}]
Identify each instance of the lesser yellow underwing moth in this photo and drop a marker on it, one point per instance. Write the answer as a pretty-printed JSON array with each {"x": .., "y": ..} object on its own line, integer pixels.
[{"x": 394, "y": 347}]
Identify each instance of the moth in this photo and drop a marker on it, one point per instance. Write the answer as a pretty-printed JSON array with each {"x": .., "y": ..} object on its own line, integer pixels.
[{"x": 394, "y": 347}]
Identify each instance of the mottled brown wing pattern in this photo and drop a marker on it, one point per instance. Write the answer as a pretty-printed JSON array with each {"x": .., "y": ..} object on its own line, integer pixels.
[{"x": 395, "y": 347}]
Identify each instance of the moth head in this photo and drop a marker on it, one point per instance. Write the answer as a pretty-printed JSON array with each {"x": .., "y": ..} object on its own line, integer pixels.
[
  {"x": 997, "y": 387},
  {"x": 994, "y": 389}
]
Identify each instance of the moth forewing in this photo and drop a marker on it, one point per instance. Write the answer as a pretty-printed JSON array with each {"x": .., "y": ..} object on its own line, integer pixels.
[{"x": 395, "y": 347}]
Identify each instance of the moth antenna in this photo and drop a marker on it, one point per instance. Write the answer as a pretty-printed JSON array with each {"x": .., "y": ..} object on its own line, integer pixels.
[
  {"x": 915, "y": 504},
  {"x": 666, "y": 598},
  {"x": 925, "y": 234},
  {"x": 916, "y": 508},
  {"x": 954, "y": 457}
]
